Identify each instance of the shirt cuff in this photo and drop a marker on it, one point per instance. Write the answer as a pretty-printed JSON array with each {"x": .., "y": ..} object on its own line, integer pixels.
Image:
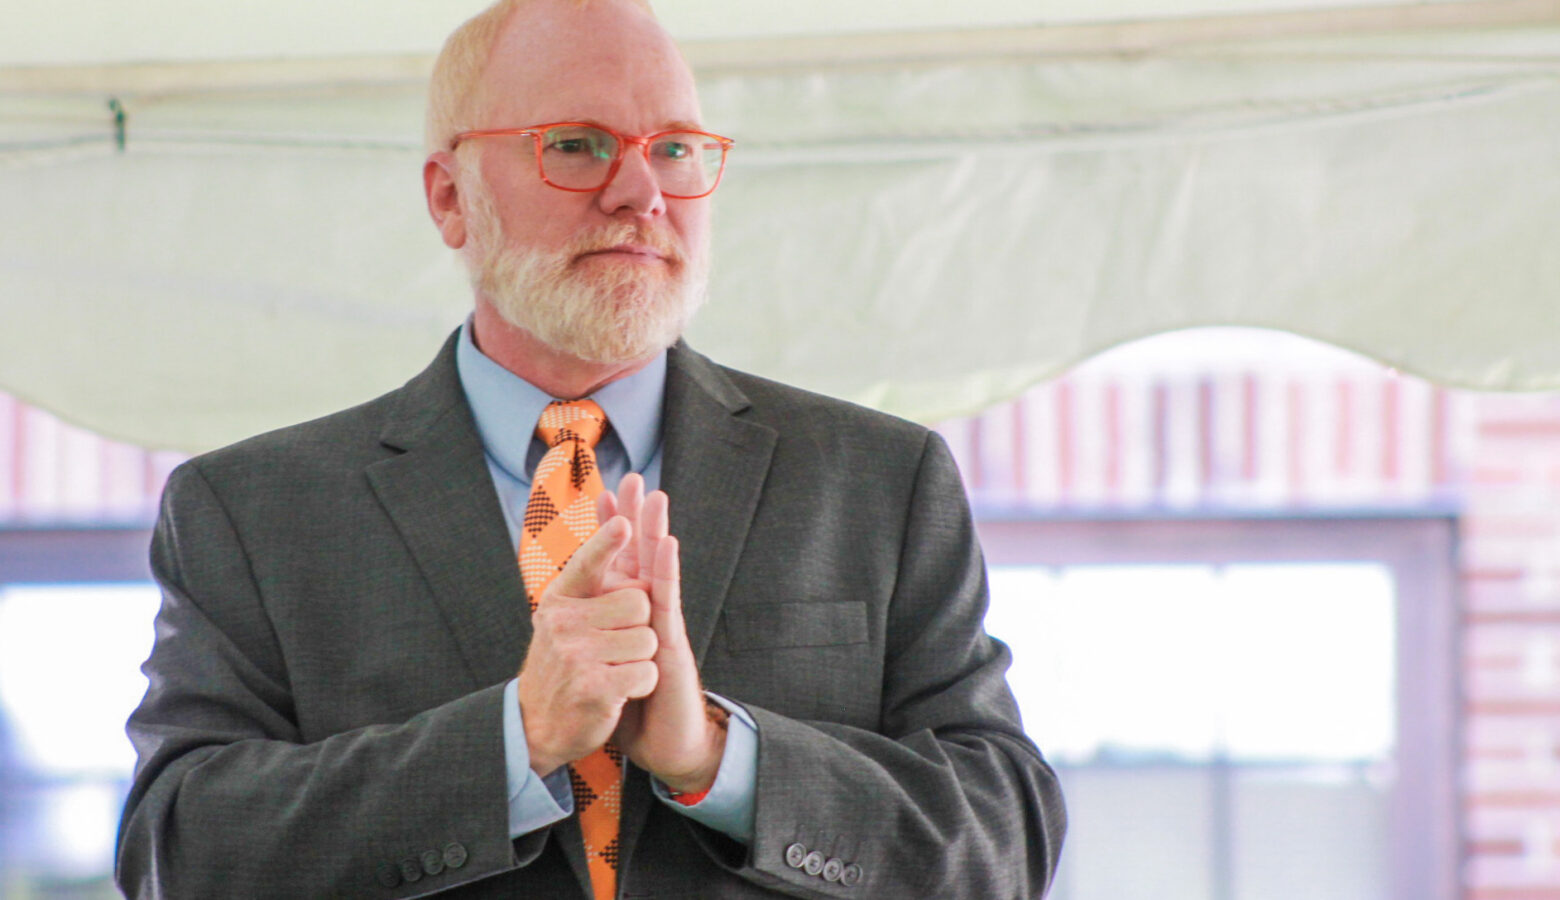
[
  {"x": 534, "y": 802},
  {"x": 728, "y": 806}
]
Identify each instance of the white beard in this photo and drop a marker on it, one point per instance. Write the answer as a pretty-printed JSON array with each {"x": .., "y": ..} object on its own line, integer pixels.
[{"x": 616, "y": 314}]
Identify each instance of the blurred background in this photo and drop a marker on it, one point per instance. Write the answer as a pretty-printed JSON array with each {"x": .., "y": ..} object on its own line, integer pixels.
[{"x": 1240, "y": 317}]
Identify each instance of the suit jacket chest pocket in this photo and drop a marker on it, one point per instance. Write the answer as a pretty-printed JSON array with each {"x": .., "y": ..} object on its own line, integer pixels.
[
  {"x": 781, "y": 625},
  {"x": 805, "y": 660}
]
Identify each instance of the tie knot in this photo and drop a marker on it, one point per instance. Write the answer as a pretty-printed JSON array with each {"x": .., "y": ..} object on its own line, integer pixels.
[{"x": 571, "y": 420}]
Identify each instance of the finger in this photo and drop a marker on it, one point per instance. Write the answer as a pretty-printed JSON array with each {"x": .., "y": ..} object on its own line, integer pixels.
[
  {"x": 630, "y": 498},
  {"x": 583, "y": 574},
  {"x": 626, "y": 645},
  {"x": 666, "y": 593},
  {"x": 654, "y": 523},
  {"x": 622, "y": 608},
  {"x": 606, "y": 506},
  {"x": 634, "y": 680}
]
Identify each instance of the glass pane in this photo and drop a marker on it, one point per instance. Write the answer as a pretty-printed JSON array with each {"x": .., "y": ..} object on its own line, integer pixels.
[
  {"x": 1119, "y": 845},
  {"x": 1194, "y": 662},
  {"x": 70, "y": 659},
  {"x": 1309, "y": 655},
  {"x": 1299, "y": 833},
  {"x": 1111, "y": 662}
]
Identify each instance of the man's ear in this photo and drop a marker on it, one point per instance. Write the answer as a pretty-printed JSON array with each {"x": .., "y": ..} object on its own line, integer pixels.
[{"x": 440, "y": 186}]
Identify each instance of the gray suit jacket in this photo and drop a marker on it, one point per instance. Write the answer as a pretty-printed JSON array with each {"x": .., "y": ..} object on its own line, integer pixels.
[{"x": 342, "y": 607}]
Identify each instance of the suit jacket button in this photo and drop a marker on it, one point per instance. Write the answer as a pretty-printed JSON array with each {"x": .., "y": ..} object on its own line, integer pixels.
[
  {"x": 795, "y": 855},
  {"x": 432, "y": 862},
  {"x": 813, "y": 864},
  {"x": 832, "y": 869},
  {"x": 389, "y": 875},
  {"x": 454, "y": 855},
  {"x": 411, "y": 869},
  {"x": 851, "y": 875}
]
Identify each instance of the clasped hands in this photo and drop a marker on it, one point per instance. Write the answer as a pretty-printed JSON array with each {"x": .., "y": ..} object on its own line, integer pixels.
[{"x": 609, "y": 654}]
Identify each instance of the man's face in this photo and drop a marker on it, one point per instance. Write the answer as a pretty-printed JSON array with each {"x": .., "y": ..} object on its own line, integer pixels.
[{"x": 608, "y": 276}]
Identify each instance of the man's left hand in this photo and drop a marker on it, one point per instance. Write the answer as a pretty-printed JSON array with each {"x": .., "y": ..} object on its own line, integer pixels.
[{"x": 667, "y": 733}]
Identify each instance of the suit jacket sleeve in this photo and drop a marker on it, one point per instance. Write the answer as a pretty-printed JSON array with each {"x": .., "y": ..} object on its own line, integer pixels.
[
  {"x": 944, "y": 795},
  {"x": 229, "y": 797}
]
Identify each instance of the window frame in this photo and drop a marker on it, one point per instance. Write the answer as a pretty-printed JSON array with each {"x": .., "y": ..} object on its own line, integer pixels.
[{"x": 74, "y": 554}]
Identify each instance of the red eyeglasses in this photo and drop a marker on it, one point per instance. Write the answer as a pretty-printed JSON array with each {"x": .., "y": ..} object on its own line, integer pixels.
[{"x": 578, "y": 156}]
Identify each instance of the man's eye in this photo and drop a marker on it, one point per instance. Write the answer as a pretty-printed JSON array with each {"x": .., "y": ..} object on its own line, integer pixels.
[
  {"x": 675, "y": 150},
  {"x": 571, "y": 145}
]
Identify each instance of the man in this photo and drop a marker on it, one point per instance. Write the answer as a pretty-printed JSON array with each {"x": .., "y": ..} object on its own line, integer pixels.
[{"x": 766, "y": 678}]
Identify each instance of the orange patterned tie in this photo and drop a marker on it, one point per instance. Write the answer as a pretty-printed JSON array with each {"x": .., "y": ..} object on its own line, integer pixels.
[{"x": 559, "y": 517}]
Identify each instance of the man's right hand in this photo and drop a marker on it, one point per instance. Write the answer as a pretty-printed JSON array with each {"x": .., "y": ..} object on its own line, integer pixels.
[{"x": 591, "y": 652}]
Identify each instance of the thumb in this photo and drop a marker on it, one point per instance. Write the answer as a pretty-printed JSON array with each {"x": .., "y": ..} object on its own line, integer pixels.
[{"x": 584, "y": 573}]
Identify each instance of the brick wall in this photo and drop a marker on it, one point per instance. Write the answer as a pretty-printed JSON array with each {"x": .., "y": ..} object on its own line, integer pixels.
[
  {"x": 52, "y": 472},
  {"x": 1510, "y": 490}
]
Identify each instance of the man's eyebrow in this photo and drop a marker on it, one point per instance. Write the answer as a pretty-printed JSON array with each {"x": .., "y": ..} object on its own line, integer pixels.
[{"x": 674, "y": 125}]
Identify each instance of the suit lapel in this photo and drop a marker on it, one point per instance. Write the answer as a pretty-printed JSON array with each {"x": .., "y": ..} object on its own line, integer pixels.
[
  {"x": 440, "y": 496},
  {"x": 714, "y": 464}
]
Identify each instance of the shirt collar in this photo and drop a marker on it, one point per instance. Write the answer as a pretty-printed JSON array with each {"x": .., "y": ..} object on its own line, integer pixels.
[
  {"x": 507, "y": 406},
  {"x": 633, "y": 406}
]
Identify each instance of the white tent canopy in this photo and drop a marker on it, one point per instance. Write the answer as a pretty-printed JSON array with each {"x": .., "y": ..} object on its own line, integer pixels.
[{"x": 927, "y": 221}]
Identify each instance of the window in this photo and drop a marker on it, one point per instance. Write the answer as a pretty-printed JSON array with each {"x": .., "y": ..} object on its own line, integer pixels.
[
  {"x": 70, "y": 653},
  {"x": 1241, "y": 708}
]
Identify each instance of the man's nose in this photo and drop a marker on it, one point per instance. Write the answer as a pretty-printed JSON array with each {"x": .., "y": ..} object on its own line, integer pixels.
[{"x": 634, "y": 188}]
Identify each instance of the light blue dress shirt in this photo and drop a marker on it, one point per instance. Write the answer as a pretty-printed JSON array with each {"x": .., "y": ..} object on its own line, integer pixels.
[{"x": 506, "y": 408}]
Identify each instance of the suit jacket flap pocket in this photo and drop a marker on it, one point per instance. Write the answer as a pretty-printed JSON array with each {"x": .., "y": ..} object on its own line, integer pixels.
[{"x": 796, "y": 625}]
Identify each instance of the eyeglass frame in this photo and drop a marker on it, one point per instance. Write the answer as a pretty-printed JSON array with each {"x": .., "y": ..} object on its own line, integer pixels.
[{"x": 623, "y": 140}]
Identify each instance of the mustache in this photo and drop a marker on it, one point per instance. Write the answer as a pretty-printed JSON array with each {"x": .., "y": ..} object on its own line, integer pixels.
[{"x": 608, "y": 236}]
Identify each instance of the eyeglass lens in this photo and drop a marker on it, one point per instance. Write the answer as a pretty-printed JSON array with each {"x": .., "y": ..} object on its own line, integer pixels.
[{"x": 580, "y": 157}]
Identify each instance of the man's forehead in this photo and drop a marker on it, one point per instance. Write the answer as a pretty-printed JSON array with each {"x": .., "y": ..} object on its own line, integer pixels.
[
  {"x": 556, "y": 24},
  {"x": 561, "y": 61}
]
